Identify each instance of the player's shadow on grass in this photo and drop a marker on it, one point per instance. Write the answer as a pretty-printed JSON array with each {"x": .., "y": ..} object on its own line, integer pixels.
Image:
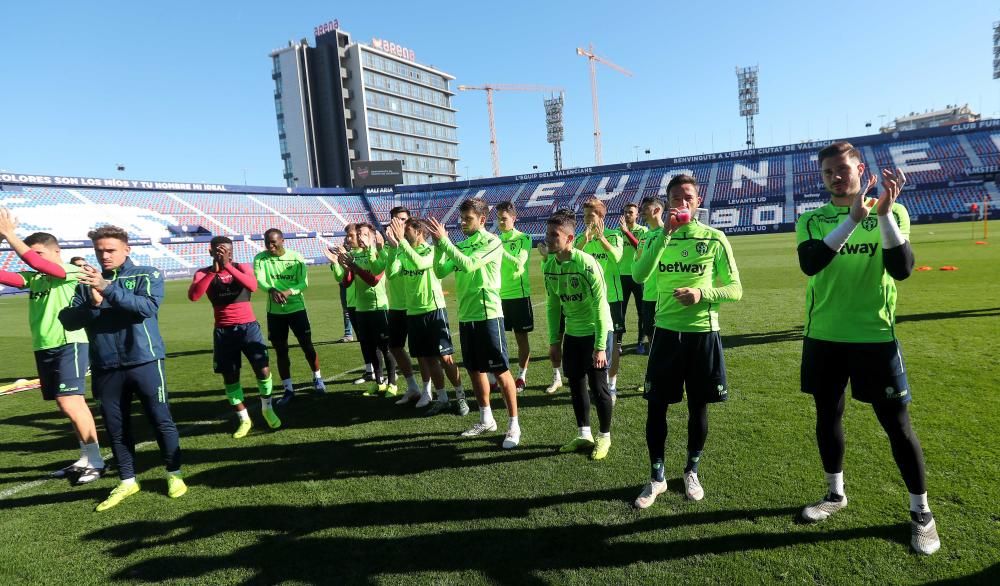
[
  {"x": 379, "y": 456},
  {"x": 293, "y": 544},
  {"x": 758, "y": 338},
  {"x": 957, "y": 314}
]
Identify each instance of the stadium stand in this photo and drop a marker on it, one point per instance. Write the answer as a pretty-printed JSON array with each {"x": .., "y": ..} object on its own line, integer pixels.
[{"x": 746, "y": 191}]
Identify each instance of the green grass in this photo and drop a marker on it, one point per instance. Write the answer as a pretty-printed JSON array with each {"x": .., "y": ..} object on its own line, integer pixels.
[{"x": 355, "y": 489}]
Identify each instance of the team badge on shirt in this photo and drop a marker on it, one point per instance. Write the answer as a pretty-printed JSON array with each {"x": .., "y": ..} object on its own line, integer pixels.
[
  {"x": 869, "y": 223},
  {"x": 574, "y": 282},
  {"x": 702, "y": 248}
]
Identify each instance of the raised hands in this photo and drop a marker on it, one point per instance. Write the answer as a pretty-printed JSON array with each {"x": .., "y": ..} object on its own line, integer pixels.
[
  {"x": 436, "y": 229},
  {"x": 892, "y": 186},
  {"x": 7, "y": 223},
  {"x": 860, "y": 207}
]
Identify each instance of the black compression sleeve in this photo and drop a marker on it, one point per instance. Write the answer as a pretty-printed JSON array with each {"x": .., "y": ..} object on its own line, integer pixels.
[
  {"x": 899, "y": 261},
  {"x": 814, "y": 255}
]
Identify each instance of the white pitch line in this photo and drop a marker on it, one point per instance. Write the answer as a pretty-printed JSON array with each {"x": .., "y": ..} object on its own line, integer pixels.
[{"x": 108, "y": 456}]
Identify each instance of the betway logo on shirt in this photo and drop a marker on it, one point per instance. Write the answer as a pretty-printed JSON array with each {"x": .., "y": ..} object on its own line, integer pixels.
[
  {"x": 285, "y": 277},
  {"x": 573, "y": 297},
  {"x": 36, "y": 295},
  {"x": 409, "y": 273},
  {"x": 680, "y": 267},
  {"x": 868, "y": 248}
]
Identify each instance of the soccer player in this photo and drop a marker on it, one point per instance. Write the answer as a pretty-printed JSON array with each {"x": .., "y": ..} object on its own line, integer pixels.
[
  {"x": 652, "y": 213},
  {"x": 556, "y": 361},
  {"x": 631, "y": 288},
  {"x": 605, "y": 245},
  {"x": 396, "y": 291},
  {"x": 282, "y": 273},
  {"x": 347, "y": 286},
  {"x": 476, "y": 264},
  {"x": 60, "y": 355},
  {"x": 430, "y": 336},
  {"x": 692, "y": 268},
  {"x": 574, "y": 286},
  {"x": 515, "y": 287},
  {"x": 229, "y": 286},
  {"x": 118, "y": 307},
  {"x": 362, "y": 267},
  {"x": 850, "y": 326}
]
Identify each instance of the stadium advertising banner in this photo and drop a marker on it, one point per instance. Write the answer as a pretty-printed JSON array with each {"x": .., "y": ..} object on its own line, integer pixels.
[{"x": 369, "y": 173}]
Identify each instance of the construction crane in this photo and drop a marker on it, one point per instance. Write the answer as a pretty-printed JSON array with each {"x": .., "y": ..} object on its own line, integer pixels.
[
  {"x": 489, "y": 89},
  {"x": 594, "y": 59}
]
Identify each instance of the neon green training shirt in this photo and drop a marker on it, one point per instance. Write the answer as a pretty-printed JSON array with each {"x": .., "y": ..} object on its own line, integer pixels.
[
  {"x": 285, "y": 273},
  {"x": 414, "y": 267},
  {"x": 576, "y": 289},
  {"x": 853, "y": 299},
  {"x": 48, "y": 296},
  {"x": 396, "y": 287},
  {"x": 648, "y": 290},
  {"x": 695, "y": 256},
  {"x": 514, "y": 281},
  {"x": 628, "y": 256},
  {"x": 607, "y": 258},
  {"x": 476, "y": 264}
]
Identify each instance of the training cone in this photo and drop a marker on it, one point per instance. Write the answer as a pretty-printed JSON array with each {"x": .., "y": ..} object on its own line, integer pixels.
[
  {"x": 949, "y": 268},
  {"x": 923, "y": 268}
]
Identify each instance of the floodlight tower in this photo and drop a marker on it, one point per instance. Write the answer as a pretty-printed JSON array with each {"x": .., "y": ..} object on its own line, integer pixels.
[
  {"x": 996, "y": 50},
  {"x": 554, "y": 127},
  {"x": 489, "y": 89},
  {"x": 594, "y": 59},
  {"x": 749, "y": 100}
]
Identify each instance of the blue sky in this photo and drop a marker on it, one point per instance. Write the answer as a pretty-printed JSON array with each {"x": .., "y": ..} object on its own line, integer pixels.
[{"x": 181, "y": 91}]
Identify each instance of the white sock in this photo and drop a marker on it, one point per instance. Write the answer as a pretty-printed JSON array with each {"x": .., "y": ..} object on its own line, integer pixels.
[
  {"x": 265, "y": 402},
  {"x": 369, "y": 371},
  {"x": 585, "y": 432},
  {"x": 485, "y": 415},
  {"x": 522, "y": 373},
  {"x": 244, "y": 415},
  {"x": 603, "y": 435},
  {"x": 442, "y": 395},
  {"x": 459, "y": 391},
  {"x": 174, "y": 472},
  {"x": 556, "y": 375},
  {"x": 287, "y": 383},
  {"x": 613, "y": 383},
  {"x": 317, "y": 375},
  {"x": 93, "y": 453},
  {"x": 82, "y": 461},
  {"x": 835, "y": 482},
  {"x": 513, "y": 424},
  {"x": 411, "y": 384},
  {"x": 918, "y": 503},
  {"x": 427, "y": 388},
  {"x": 127, "y": 481}
]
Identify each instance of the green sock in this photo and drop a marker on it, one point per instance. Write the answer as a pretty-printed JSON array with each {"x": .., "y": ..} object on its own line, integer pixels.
[
  {"x": 234, "y": 392},
  {"x": 265, "y": 386}
]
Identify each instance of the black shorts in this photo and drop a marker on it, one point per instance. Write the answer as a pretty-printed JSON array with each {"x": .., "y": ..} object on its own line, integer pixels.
[
  {"x": 397, "y": 328},
  {"x": 372, "y": 326},
  {"x": 648, "y": 318},
  {"x": 229, "y": 342},
  {"x": 278, "y": 325},
  {"x": 62, "y": 370},
  {"x": 686, "y": 360},
  {"x": 430, "y": 335},
  {"x": 484, "y": 345},
  {"x": 875, "y": 370},
  {"x": 578, "y": 354},
  {"x": 518, "y": 315},
  {"x": 617, "y": 316}
]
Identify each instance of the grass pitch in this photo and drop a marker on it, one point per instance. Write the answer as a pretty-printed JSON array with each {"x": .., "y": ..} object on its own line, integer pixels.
[{"x": 354, "y": 489}]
